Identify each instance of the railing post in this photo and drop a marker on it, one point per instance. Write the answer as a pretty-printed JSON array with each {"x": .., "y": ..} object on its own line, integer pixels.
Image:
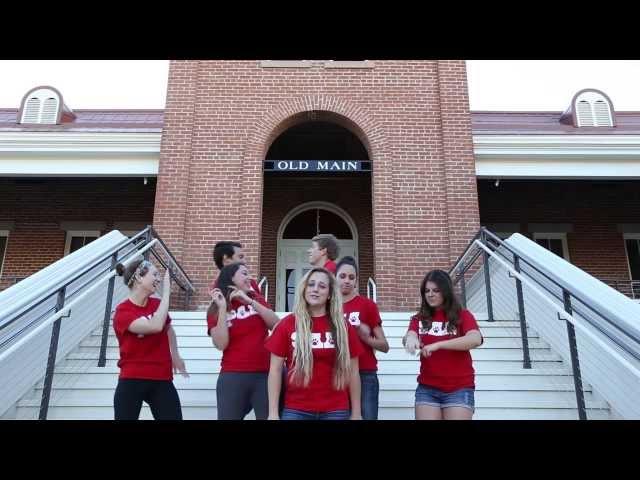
[
  {"x": 487, "y": 278},
  {"x": 575, "y": 364},
  {"x": 147, "y": 237},
  {"x": 51, "y": 362},
  {"x": 102, "y": 358},
  {"x": 526, "y": 360},
  {"x": 463, "y": 287}
]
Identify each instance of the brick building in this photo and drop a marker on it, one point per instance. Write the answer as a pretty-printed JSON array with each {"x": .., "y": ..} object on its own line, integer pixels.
[{"x": 384, "y": 154}]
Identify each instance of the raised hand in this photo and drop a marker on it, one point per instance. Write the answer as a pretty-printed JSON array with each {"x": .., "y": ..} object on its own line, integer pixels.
[
  {"x": 218, "y": 299},
  {"x": 240, "y": 295}
]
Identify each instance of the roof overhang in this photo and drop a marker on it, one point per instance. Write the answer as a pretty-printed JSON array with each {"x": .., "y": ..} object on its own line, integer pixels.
[
  {"x": 557, "y": 156},
  {"x": 79, "y": 154}
]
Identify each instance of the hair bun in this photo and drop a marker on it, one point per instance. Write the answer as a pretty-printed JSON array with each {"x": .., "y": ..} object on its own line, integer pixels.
[{"x": 120, "y": 269}]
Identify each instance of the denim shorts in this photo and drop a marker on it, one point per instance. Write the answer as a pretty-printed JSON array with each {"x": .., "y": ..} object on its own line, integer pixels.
[
  {"x": 433, "y": 397},
  {"x": 292, "y": 414}
]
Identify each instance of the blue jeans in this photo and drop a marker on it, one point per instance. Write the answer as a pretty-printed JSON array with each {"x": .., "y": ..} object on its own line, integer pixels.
[
  {"x": 370, "y": 389},
  {"x": 433, "y": 397},
  {"x": 291, "y": 414}
]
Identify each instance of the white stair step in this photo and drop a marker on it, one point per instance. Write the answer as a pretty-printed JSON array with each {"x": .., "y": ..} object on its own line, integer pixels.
[
  {"x": 393, "y": 354},
  {"x": 387, "y": 382},
  {"x": 388, "y": 398},
  {"x": 203, "y": 341},
  {"x": 106, "y": 413},
  {"x": 384, "y": 368}
]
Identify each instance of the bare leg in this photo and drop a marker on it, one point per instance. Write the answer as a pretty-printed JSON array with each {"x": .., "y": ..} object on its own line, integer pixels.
[
  {"x": 457, "y": 413},
  {"x": 427, "y": 412}
]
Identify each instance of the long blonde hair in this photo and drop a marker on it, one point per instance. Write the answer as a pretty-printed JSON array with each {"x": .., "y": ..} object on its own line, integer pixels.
[{"x": 302, "y": 370}]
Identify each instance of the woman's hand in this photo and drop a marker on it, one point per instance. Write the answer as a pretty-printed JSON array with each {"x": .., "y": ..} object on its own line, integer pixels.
[
  {"x": 412, "y": 344},
  {"x": 179, "y": 366},
  {"x": 236, "y": 293},
  {"x": 354, "y": 417},
  {"x": 427, "y": 350},
  {"x": 166, "y": 282},
  {"x": 218, "y": 299}
]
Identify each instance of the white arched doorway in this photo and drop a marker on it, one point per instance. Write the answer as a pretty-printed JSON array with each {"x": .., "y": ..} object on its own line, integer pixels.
[{"x": 294, "y": 239}]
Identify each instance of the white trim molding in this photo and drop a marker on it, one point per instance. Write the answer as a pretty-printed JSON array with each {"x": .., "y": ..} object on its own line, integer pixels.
[
  {"x": 79, "y": 154},
  {"x": 557, "y": 156}
]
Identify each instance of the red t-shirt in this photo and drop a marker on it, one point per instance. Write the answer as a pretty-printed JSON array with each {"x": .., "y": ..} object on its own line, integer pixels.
[
  {"x": 254, "y": 285},
  {"x": 247, "y": 333},
  {"x": 331, "y": 266},
  {"x": 142, "y": 356},
  {"x": 447, "y": 370},
  {"x": 361, "y": 309},
  {"x": 320, "y": 395}
]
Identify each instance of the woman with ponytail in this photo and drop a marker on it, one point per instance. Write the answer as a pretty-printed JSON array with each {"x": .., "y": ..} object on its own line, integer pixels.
[
  {"x": 443, "y": 333},
  {"x": 363, "y": 314},
  {"x": 148, "y": 347},
  {"x": 321, "y": 350}
]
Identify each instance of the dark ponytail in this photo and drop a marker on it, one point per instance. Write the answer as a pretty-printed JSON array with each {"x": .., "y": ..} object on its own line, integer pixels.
[{"x": 347, "y": 261}]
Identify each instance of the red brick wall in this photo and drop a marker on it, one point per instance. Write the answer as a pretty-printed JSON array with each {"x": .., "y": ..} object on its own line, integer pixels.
[
  {"x": 36, "y": 207},
  {"x": 281, "y": 195},
  {"x": 594, "y": 208},
  {"x": 412, "y": 116}
]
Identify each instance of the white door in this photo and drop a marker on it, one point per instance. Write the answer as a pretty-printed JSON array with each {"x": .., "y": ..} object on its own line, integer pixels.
[{"x": 293, "y": 263}]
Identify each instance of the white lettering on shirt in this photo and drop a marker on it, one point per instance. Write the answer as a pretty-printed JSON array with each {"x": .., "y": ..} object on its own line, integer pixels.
[{"x": 242, "y": 312}]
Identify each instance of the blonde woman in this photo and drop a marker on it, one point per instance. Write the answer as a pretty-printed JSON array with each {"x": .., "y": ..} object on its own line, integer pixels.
[{"x": 321, "y": 350}]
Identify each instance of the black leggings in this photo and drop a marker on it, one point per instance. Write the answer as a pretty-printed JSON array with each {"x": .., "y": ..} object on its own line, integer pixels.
[{"x": 160, "y": 395}]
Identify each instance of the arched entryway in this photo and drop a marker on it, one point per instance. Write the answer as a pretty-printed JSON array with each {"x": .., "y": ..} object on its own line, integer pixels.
[
  {"x": 294, "y": 239},
  {"x": 327, "y": 197}
]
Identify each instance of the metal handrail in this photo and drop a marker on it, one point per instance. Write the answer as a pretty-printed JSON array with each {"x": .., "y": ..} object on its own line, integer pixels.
[
  {"x": 13, "y": 316},
  {"x": 562, "y": 313},
  {"x": 372, "y": 290},
  {"x": 578, "y": 297},
  {"x": 62, "y": 308}
]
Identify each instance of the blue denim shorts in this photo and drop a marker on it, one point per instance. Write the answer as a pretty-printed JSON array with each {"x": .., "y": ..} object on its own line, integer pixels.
[{"x": 434, "y": 397}]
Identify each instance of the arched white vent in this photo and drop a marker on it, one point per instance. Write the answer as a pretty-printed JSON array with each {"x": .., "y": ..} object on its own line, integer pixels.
[
  {"x": 593, "y": 110},
  {"x": 42, "y": 106}
]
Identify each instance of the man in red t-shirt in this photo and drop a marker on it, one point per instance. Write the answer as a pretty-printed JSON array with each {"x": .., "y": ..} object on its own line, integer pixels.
[
  {"x": 324, "y": 251},
  {"x": 225, "y": 253}
]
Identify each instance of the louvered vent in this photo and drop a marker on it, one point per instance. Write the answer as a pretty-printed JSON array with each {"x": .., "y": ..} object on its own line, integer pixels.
[
  {"x": 593, "y": 109},
  {"x": 602, "y": 114},
  {"x": 43, "y": 106},
  {"x": 584, "y": 114},
  {"x": 49, "y": 111},
  {"x": 31, "y": 111}
]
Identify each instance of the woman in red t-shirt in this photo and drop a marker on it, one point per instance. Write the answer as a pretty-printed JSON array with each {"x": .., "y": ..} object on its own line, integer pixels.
[
  {"x": 321, "y": 349},
  {"x": 148, "y": 347},
  {"x": 238, "y": 321},
  {"x": 443, "y": 333},
  {"x": 363, "y": 314}
]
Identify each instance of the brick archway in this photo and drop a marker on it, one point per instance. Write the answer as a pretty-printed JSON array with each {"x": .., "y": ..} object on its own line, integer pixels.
[{"x": 349, "y": 116}]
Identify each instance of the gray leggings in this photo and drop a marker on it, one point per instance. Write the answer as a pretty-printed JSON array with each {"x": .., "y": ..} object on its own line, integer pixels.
[{"x": 240, "y": 392}]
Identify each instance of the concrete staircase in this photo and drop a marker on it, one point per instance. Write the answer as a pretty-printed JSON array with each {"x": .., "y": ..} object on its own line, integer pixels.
[{"x": 504, "y": 390}]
